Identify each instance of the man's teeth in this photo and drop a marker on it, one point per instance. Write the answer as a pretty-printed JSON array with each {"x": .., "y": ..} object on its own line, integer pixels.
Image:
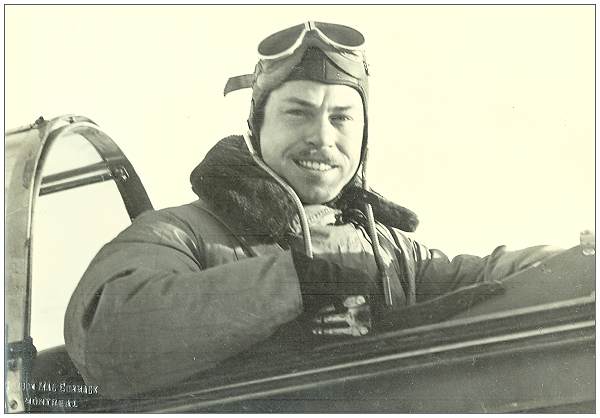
[{"x": 314, "y": 165}]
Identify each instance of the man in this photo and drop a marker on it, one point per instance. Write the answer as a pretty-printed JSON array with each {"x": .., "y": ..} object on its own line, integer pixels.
[{"x": 286, "y": 234}]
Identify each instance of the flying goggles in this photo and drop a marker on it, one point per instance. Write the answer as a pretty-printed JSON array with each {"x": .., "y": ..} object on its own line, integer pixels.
[
  {"x": 342, "y": 44},
  {"x": 285, "y": 42}
]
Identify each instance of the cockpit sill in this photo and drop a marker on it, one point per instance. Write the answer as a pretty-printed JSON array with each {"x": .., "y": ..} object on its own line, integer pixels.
[{"x": 527, "y": 331}]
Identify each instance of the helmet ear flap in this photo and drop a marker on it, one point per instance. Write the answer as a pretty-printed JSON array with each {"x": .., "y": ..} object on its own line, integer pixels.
[
  {"x": 251, "y": 116},
  {"x": 255, "y": 121}
]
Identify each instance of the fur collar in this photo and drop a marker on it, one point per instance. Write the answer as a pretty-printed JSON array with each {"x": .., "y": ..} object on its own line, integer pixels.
[{"x": 254, "y": 205}]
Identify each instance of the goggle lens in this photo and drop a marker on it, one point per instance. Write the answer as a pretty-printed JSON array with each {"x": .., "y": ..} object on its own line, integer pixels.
[
  {"x": 341, "y": 34},
  {"x": 280, "y": 41}
]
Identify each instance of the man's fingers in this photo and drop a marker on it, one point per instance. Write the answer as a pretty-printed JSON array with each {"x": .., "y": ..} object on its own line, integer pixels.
[
  {"x": 331, "y": 318},
  {"x": 349, "y": 302},
  {"x": 332, "y": 331},
  {"x": 354, "y": 301},
  {"x": 353, "y": 331},
  {"x": 326, "y": 309}
]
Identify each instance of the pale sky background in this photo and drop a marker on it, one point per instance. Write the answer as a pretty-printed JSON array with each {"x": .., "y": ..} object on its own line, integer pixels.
[{"x": 481, "y": 117}]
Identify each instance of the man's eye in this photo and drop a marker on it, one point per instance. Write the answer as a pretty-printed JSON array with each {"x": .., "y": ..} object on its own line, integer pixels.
[
  {"x": 295, "y": 112},
  {"x": 341, "y": 118}
]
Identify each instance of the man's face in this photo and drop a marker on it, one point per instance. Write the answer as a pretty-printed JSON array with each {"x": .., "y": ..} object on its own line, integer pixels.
[{"x": 312, "y": 136}]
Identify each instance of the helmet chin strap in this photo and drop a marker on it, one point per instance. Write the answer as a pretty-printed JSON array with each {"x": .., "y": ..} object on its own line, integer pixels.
[
  {"x": 308, "y": 249},
  {"x": 372, "y": 231}
]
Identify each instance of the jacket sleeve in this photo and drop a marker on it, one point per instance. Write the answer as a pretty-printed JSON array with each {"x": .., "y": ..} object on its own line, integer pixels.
[
  {"x": 149, "y": 313},
  {"x": 436, "y": 275}
]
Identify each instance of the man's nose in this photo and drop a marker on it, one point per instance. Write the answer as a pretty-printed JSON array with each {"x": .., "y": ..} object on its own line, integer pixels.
[{"x": 322, "y": 133}]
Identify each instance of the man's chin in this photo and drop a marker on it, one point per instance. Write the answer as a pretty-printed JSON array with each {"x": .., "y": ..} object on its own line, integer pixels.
[
  {"x": 314, "y": 192},
  {"x": 316, "y": 197}
]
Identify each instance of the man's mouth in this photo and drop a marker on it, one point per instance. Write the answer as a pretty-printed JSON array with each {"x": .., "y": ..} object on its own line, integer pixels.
[{"x": 314, "y": 165}]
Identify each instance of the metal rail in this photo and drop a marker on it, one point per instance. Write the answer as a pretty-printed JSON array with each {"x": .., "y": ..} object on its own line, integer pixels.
[{"x": 82, "y": 176}]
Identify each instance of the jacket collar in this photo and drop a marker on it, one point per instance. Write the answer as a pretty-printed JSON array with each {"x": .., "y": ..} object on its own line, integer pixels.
[{"x": 255, "y": 206}]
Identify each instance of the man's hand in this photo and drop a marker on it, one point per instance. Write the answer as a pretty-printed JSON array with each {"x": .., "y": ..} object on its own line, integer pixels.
[
  {"x": 323, "y": 282},
  {"x": 354, "y": 318}
]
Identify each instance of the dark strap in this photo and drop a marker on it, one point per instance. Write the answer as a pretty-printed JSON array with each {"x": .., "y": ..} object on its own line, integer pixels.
[
  {"x": 238, "y": 82},
  {"x": 409, "y": 267},
  {"x": 22, "y": 349}
]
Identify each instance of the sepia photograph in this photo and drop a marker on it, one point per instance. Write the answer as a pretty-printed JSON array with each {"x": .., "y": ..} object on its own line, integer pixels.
[{"x": 299, "y": 208}]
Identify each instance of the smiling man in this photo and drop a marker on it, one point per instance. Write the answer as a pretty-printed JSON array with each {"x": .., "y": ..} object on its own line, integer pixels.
[
  {"x": 285, "y": 239},
  {"x": 312, "y": 136}
]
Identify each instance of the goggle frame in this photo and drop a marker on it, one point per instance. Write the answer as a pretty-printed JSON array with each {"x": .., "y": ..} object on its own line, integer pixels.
[{"x": 311, "y": 27}]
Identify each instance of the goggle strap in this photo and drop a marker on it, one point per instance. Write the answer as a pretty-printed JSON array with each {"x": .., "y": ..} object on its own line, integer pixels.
[{"x": 238, "y": 82}]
